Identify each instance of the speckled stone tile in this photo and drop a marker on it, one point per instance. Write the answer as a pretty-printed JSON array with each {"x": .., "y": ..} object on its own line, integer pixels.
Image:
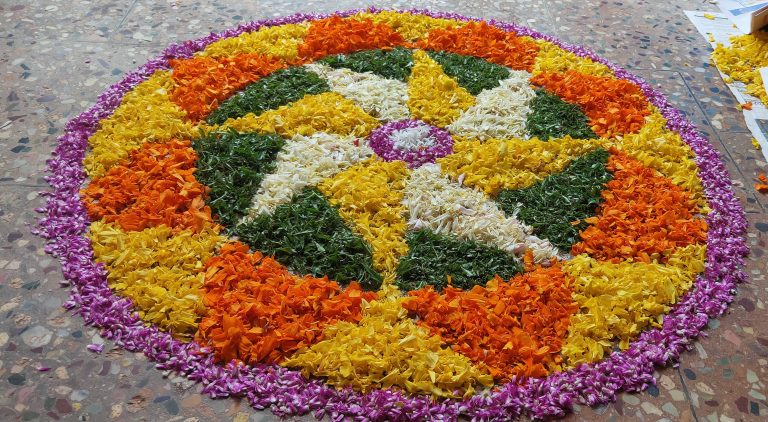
[
  {"x": 672, "y": 84},
  {"x": 191, "y": 20},
  {"x": 57, "y": 56},
  {"x": 46, "y": 84},
  {"x": 61, "y": 20},
  {"x": 746, "y": 162}
]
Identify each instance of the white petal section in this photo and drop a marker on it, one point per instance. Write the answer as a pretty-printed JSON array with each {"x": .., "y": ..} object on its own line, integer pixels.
[
  {"x": 306, "y": 161},
  {"x": 436, "y": 203},
  {"x": 382, "y": 98},
  {"x": 412, "y": 138},
  {"x": 499, "y": 112}
]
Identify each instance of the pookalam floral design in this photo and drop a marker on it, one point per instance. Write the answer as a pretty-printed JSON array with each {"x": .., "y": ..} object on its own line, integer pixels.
[{"x": 394, "y": 215}]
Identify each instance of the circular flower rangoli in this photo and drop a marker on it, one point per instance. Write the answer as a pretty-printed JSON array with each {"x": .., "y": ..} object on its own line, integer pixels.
[{"x": 394, "y": 215}]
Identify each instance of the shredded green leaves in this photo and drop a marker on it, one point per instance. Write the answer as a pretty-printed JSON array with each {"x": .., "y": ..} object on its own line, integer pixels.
[
  {"x": 432, "y": 258},
  {"x": 233, "y": 165},
  {"x": 391, "y": 64},
  {"x": 551, "y": 117},
  {"x": 472, "y": 73},
  {"x": 557, "y": 206},
  {"x": 278, "y": 89},
  {"x": 309, "y": 237}
]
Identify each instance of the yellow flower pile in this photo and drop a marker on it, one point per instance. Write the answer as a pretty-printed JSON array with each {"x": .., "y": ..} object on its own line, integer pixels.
[
  {"x": 277, "y": 41},
  {"x": 495, "y": 164},
  {"x": 619, "y": 301},
  {"x": 328, "y": 112},
  {"x": 146, "y": 114},
  {"x": 433, "y": 96},
  {"x": 369, "y": 195},
  {"x": 411, "y": 27},
  {"x": 552, "y": 58},
  {"x": 159, "y": 271},
  {"x": 386, "y": 348},
  {"x": 742, "y": 61}
]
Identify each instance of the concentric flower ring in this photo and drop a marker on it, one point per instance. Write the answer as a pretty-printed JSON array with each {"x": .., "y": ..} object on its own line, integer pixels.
[{"x": 394, "y": 215}]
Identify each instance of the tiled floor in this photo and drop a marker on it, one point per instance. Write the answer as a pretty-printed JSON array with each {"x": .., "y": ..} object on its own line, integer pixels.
[{"x": 57, "y": 56}]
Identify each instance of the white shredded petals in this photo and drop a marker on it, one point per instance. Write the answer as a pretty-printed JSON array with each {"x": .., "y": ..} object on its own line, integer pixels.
[
  {"x": 382, "y": 98},
  {"x": 498, "y": 113},
  {"x": 435, "y": 203},
  {"x": 306, "y": 161},
  {"x": 412, "y": 138}
]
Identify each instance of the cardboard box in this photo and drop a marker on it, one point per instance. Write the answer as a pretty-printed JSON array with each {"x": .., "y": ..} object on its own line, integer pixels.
[{"x": 748, "y": 15}]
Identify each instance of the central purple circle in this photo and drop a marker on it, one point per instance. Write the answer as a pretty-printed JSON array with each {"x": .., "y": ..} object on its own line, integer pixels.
[{"x": 412, "y": 141}]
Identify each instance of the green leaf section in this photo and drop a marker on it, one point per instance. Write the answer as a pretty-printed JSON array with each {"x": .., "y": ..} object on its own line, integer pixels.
[
  {"x": 391, "y": 64},
  {"x": 472, "y": 73},
  {"x": 551, "y": 205},
  {"x": 278, "y": 89},
  {"x": 433, "y": 257},
  {"x": 551, "y": 117},
  {"x": 309, "y": 237},
  {"x": 233, "y": 165}
]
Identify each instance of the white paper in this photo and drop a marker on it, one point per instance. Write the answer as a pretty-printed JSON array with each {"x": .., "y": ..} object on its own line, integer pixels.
[
  {"x": 764, "y": 75},
  {"x": 721, "y": 28},
  {"x": 759, "y": 129}
]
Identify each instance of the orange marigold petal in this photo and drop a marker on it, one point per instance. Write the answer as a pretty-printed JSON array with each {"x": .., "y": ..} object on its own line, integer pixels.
[
  {"x": 487, "y": 41},
  {"x": 257, "y": 311},
  {"x": 336, "y": 35},
  {"x": 614, "y": 106},
  {"x": 514, "y": 328},
  {"x": 155, "y": 186},
  {"x": 201, "y": 83},
  {"x": 644, "y": 216}
]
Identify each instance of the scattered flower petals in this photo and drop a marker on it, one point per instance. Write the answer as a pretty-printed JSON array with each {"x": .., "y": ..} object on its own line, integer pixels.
[{"x": 95, "y": 348}]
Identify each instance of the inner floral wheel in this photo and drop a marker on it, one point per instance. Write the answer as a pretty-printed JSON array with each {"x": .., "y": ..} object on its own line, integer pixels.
[{"x": 388, "y": 215}]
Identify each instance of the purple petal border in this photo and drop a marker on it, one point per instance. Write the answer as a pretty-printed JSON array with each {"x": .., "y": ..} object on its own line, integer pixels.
[{"x": 286, "y": 392}]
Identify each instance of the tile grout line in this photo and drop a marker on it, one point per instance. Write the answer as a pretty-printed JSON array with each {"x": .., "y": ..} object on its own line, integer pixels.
[
  {"x": 746, "y": 180},
  {"x": 717, "y": 134},
  {"x": 687, "y": 394},
  {"x": 23, "y": 185},
  {"x": 122, "y": 21}
]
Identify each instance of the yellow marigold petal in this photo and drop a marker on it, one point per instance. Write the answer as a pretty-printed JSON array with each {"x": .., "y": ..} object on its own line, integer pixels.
[
  {"x": 511, "y": 164},
  {"x": 388, "y": 349},
  {"x": 276, "y": 41},
  {"x": 552, "y": 58},
  {"x": 159, "y": 271},
  {"x": 410, "y": 26},
  {"x": 374, "y": 206},
  {"x": 619, "y": 301},
  {"x": 146, "y": 114},
  {"x": 328, "y": 112},
  {"x": 664, "y": 151},
  {"x": 435, "y": 97}
]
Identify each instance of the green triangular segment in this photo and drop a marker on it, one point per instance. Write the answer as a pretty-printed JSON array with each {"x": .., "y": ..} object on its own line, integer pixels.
[
  {"x": 233, "y": 165},
  {"x": 551, "y": 117},
  {"x": 433, "y": 257},
  {"x": 309, "y": 237},
  {"x": 391, "y": 64},
  {"x": 472, "y": 73},
  {"x": 278, "y": 89},
  {"x": 552, "y": 205}
]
